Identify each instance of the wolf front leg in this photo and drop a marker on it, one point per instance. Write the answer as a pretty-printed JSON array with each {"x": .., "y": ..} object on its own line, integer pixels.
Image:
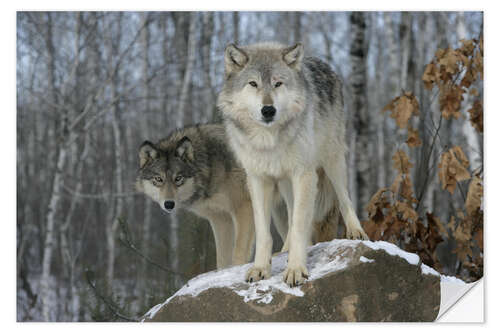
[
  {"x": 304, "y": 195},
  {"x": 222, "y": 227},
  {"x": 244, "y": 232},
  {"x": 336, "y": 170},
  {"x": 261, "y": 192}
]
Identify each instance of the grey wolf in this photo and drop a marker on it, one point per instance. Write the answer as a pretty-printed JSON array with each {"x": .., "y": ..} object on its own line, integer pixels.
[
  {"x": 194, "y": 169},
  {"x": 283, "y": 114}
]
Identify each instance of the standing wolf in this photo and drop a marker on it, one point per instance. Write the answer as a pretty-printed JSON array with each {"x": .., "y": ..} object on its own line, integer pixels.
[
  {"x": 283, "y": 114},
  {"x": 194, "y": 169}
]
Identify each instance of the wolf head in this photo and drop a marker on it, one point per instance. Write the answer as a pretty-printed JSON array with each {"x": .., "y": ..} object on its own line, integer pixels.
[
  {"x": 263, "y": 83},
  {"x": 167, "y": 173}
]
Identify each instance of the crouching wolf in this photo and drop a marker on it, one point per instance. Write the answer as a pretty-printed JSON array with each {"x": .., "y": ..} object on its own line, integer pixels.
[
  {"x": 283, "y": 114},
  {"x": 194, "y": 169}
]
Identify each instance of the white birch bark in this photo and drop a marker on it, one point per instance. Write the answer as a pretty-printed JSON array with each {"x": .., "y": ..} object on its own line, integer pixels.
[
  {"x": 55, "y": 196},
  {"x": 393, "y": 91},
  {"x": 112, "y": 226},
  {"x": 146, "y": 222}
]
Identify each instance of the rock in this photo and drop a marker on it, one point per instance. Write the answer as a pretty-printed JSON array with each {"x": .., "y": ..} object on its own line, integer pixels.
[{"x": 348, "y": 281}]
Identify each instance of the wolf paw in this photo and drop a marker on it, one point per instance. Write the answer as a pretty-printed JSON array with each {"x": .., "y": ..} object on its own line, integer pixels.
[
  {"x": 258, "y": 273},
  {"x": 295, "y": 276},
  {"x": 355, "y": 233}
]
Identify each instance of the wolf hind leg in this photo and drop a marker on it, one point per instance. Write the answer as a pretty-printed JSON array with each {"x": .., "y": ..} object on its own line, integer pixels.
[
  {"x": 222, "y": 227},
  {"x": 280, "y": 220},
  {"x": 336, "y": 170},
  {"x": 286, "y": 191},
  {"x": 244, "y": 234}
]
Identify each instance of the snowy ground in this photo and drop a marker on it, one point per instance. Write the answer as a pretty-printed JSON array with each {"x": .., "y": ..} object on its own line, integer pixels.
[{"x": 319, "y": 264}]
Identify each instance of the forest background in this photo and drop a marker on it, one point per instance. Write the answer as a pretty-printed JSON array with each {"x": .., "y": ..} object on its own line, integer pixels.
[{"x": 91, "y": 86}]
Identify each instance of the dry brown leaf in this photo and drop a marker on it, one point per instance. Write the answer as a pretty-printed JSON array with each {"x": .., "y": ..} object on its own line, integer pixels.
[
  {"x": 407, "y": 190},
  {"x": 401, "y": 162},
  {"x": 463, "y": 251},
  {"x": 430, "y": 76},
  {"x": 402, "y": 108},
  {"x": 467, "y": 47},
  {"x": 462, "y": 234},
  {"x": 474, "y": 195},
  {"x": 478, "y": 63},
  {"x": 413, "y": 138},
  {"x": 440, "y": 53},
  {"x": 479, "y": 238},
  {"x": 450, "y": 100},
  {"x": 451, "y": 224},
  {"x": 453, "y": 168},
  {"x": 407, "y": 211},
  {"x": 377, "y": 202},
  {"x": 450, "y": 61},
  {"x": 434, "y": 221},
  {"x": 476, "y": 116}
]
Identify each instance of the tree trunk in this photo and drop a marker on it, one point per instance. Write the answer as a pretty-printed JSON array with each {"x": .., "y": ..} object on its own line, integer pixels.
[
  {"x": 57, "y": 182},
  {"x": 360, "y": 111},
  {"x": 186, "y": 82},
  {"x": 236, "y": 27},
  {"x": 297, "y": 27},
  {"x": 182, "y": 108},
  {"x": 146, "y": 222},
  {"x": 379, "y": 119},
  {"x": 208, "y": 110},
  {"x": 405, "y": 42},
  {"x": 392, "y": 91},
  {"x": 111, "y": 226}
]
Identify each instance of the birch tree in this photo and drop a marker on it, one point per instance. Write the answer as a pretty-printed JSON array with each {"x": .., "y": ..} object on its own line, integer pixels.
[{"x": 57, "y": 182}]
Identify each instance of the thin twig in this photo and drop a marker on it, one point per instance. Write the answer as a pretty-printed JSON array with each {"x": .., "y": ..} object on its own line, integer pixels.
[
  {"x": 127, "y": 242},
  {"x": 100, "y": 196},
  {"x": 110, "y": 306}
]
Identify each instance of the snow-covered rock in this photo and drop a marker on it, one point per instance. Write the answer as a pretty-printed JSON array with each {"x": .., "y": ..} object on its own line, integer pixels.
[{"x": 348, "y": 281}]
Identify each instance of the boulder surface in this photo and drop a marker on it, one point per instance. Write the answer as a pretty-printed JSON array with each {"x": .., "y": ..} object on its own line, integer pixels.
[{"x": 348, "y": 281}]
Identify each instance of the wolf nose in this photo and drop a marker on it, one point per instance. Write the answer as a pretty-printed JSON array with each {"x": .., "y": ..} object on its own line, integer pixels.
[
  {"x": 268, "y": 113},
  {"x": 169, "y": 205}
]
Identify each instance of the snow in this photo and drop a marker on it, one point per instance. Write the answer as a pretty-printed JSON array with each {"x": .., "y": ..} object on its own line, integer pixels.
[
  {"x": 323, "y": 258},
  {"x": 365, "y": 259}
]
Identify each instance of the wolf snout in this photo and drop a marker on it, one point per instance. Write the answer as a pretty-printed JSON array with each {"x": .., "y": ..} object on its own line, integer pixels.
[
  {"x": 268, "y": 113},
  {"x": 169, "y": 205}
]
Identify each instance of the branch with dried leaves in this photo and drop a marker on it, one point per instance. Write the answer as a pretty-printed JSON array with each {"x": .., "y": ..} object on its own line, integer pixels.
[{"x": 392, "y": 215}]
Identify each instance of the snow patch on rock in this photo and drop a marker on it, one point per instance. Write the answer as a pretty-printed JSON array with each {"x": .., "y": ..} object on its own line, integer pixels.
[{"x": 365, "y": 259}]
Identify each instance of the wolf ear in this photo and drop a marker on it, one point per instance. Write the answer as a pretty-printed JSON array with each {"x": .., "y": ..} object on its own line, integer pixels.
[
  {"x": 234, "y": 59},
  {"x": 184, "y": 149},
  {"x": 293, "y": 55},
  {"x": 147, "y": 152}
]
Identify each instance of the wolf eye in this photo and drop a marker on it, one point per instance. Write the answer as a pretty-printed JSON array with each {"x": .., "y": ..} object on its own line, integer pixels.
[
  {"x": 179, "y": 180},
  {"x": 157, "y": 180},
  {"x": 253, "y": 84},
  {"x": 277, "y": 84}
]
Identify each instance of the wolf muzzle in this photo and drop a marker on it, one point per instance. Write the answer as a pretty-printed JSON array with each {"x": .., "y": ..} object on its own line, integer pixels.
[{"x": 268, "y": 113}]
